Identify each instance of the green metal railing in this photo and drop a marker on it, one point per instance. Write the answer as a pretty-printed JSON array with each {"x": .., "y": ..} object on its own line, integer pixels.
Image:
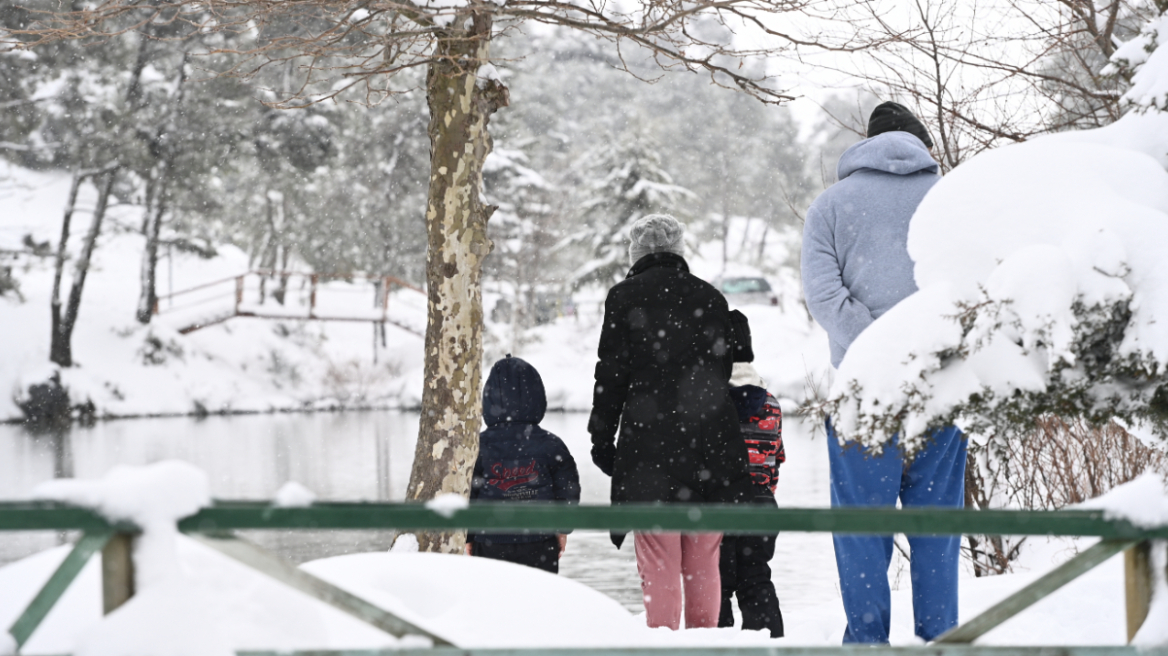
[{"x": 212, "y": 526}]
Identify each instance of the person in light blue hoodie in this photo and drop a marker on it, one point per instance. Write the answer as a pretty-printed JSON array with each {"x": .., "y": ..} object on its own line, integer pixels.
[{"x": 856, "y": 267}]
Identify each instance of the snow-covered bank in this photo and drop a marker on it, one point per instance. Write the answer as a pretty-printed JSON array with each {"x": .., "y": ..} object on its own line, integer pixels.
[
  {"x": 247, "y": 365},
  {"x": 126, "y": 369}
]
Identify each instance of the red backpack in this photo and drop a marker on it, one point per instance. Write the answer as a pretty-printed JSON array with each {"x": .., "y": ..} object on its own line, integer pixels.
[{"x": 763, "y": 433}]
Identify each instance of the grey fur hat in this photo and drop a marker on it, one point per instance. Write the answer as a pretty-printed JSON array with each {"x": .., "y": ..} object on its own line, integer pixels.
[{"x": 656, "y": 233}]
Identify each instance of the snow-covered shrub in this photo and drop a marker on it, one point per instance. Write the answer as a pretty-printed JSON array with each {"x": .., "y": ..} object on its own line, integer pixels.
[
  {"x": 283, "y": 371},
  {"x": 42, "y": 397},
  {"x": 354, "y": 381},
  {"x": 9, "y": 285},
  {"x": 1042, "y": 293},
  {"x": 157, "y": 350}
]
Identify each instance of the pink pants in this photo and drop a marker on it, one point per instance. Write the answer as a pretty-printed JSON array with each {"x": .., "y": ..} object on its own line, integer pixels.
[{"x": 669, "y": 562}]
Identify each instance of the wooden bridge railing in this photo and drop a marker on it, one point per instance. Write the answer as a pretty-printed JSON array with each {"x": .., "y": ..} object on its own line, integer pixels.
[
  {"x": 212, "y": 527},
  {"x": 229, "y": 295}
]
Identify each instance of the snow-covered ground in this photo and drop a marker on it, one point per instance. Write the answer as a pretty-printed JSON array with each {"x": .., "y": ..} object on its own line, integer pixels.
[{"x": 258, "y": 365}]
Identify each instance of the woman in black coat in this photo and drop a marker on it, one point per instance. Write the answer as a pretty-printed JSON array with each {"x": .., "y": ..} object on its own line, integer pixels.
[{"x": 662, "y": 379}]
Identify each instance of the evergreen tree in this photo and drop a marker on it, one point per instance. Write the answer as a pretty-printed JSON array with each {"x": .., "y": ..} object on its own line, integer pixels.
[
  {"x": 624, "y": 180},
  {"x": 521, "y": 232}
]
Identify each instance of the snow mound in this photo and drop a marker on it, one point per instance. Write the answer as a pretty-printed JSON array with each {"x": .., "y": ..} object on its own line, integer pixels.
[
  {"x": 153, "y": 497},
  {"x": 407, "y": 543},
  {"x": 493, "y": 604},
  {"x": 448, "y": 504},
  {"x": 1143, "y": 502},
  {"x": 484, "y": 603},
  {"x": 293, "y": 495}
]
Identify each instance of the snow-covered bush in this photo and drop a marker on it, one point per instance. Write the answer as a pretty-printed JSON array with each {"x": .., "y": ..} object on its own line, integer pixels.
[
  {"x": 1042, "y": 292},
  {"x": 158, "y": 350}
]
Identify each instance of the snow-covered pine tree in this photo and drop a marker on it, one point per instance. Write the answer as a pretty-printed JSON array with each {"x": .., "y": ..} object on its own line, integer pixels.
[
  {"x": 623, "y": 180},
  {"x": 1144, "y": 61},
  {"x": 519, "y": 232}
]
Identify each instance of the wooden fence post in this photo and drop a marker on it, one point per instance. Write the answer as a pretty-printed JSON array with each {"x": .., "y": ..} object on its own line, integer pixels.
[
  {"x": 1137, "y": 579},
  {"x": 117, "y": 572},
  {"x": 384, "y": 299},
  {"x": 238, "y": 293},
  {"x": 312, "y": 295}
]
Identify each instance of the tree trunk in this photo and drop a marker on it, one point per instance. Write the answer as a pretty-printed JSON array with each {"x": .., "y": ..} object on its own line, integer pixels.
[
  {"x": 59, "y": 351},
  {"x": 148, "y": 297},
  {"x": 64, "y": 354},
  {"x": 456, "y": 221}
]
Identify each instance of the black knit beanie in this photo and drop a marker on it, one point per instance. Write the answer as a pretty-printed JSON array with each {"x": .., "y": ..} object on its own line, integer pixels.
[
  {"x": 740, "y": 336},
  {"x": 894, "y": 117}
]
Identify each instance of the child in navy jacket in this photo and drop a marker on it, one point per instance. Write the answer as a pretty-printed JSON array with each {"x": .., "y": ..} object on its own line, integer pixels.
[{"x": 519, "y": 461}]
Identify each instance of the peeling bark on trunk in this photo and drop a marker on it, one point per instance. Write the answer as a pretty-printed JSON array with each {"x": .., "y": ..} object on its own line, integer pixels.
[
  {"x": 456, "y": 223},
  {"x": 62, "y": 354}
]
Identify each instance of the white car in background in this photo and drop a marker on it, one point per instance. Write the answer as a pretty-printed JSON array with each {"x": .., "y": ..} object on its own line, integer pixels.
[{"x": 752, "y": 290}]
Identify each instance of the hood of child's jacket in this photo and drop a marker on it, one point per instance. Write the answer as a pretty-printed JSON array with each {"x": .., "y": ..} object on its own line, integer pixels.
[
  {"x": 748, "y": 400},
  {"x": 513, "y": 393},
  {"x": 892, "y": 152}
]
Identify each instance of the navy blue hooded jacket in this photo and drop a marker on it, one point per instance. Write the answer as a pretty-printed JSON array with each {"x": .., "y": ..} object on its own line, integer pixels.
[{"x": 518, "y": 460}]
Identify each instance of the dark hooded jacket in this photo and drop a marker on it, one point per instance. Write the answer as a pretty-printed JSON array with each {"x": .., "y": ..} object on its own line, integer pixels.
[
  {"x": 518, "y": 460},
  {"x": 663, "y": 380}
]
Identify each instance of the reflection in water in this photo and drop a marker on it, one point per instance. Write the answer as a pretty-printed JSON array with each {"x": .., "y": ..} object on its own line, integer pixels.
[
  {"x": 367, "y": 456},
  {"x": 384, "y": 479}
]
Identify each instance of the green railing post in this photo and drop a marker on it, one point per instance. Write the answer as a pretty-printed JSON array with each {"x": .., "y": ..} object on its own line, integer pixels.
[
  {"x": 117, "y": 572},
  {"x": 1137, "y": 586},
  {"x": 37, "y": 609},
  {"x": 1095, "y": 555}
]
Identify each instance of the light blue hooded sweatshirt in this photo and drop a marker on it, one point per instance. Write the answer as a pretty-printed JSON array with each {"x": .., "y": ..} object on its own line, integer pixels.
[{"x": 855, "y": 239}]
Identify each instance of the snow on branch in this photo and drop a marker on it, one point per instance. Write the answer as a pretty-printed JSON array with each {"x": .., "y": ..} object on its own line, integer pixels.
[
  {"x": 1145, "y": 60},
  {"x": 1042, "y": 291}
]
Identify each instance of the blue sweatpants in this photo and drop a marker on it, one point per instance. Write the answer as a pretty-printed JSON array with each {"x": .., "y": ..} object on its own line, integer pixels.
[{"x": 935, "y": 477}]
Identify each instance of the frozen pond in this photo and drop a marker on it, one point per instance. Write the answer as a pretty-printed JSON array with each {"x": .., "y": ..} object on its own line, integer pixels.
[{"x": 367, "y": 455}]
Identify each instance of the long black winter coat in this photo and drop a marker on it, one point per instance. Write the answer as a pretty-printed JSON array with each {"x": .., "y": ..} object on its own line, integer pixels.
[
  {"x": 663, "y": 378},
  {"x": 518, "y": 460}
]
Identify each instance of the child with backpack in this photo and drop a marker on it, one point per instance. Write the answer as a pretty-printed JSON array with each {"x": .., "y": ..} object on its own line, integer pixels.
[
  {"x": 519, "y": 461},
  {"x": 745, "y": 559}
]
